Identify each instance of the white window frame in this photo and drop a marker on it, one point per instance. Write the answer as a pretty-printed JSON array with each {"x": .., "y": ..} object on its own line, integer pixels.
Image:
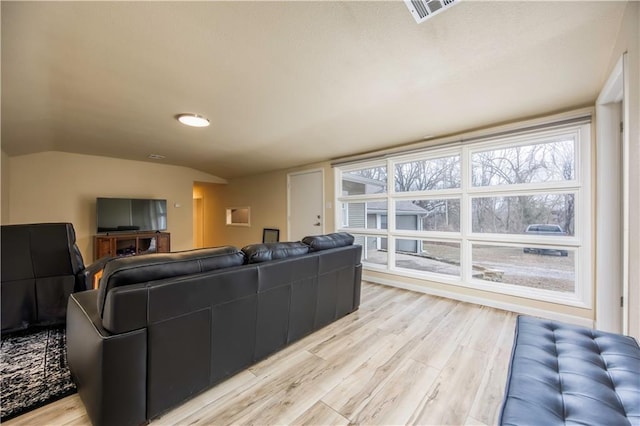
[
  {"x": 579, "y": 243},
  {"x": 344, "y": 220}
]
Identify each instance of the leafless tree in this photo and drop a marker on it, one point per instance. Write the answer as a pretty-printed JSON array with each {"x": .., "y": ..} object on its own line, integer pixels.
[{"x": 514, "y": 165}]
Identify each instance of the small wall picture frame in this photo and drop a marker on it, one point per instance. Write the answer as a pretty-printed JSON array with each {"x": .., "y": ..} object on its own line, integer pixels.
[{"x": 270, "y": 235}]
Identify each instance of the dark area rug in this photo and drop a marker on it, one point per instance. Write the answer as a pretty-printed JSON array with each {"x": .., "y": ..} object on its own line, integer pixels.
[{"x": 33, "y": 370}]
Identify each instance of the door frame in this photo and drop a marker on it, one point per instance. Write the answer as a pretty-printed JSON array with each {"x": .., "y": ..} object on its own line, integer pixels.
[
  {"x": 322, "y": 200},
  {"x": 612, "y": 107}
]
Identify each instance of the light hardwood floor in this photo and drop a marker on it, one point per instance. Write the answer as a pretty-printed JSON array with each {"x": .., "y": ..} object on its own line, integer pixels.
[{"x": 402, "y": 358}]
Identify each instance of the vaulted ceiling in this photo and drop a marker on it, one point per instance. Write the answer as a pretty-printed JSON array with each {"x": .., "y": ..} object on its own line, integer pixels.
[{"x": 287, "y": 83}]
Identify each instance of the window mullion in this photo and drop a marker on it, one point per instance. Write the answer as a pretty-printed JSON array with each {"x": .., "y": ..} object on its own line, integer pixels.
[
  {"x": 391, "y": 215},
  {"x": 465, "y": 216}
]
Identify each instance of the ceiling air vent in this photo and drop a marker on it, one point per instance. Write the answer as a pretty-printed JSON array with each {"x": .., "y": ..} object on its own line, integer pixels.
[{"x": 425, "y": 9}]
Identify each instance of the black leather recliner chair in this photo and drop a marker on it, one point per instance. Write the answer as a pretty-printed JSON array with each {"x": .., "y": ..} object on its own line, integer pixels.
[{"x": 41, "y": 267}]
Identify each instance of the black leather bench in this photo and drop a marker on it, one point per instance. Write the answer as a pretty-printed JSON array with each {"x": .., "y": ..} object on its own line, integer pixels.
[{"x": 564, "y": 374}]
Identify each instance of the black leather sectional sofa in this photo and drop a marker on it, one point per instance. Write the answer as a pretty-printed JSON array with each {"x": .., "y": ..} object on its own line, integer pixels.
[{"x": 164, "y": 327}]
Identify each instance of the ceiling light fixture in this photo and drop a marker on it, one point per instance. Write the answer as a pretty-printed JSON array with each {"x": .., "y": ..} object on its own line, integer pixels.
[{"x": 193, "y": 120}]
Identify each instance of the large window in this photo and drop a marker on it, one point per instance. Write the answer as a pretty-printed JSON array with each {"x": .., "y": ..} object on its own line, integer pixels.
[{"x": 509, "y": 215}]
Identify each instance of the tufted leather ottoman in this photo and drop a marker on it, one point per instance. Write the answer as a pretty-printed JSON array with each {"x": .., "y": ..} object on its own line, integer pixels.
[{"x": 564, "y": 374}]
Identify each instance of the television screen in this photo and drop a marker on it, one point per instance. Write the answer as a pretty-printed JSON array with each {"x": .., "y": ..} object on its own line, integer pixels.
[{"x": 130, "y": 215}]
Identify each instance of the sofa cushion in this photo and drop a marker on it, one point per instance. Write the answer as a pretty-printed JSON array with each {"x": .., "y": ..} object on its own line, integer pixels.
[
  {"x": 328, "y": 241},
  {"x": 140, "y": 269},
  {"x": 256, "y": 253}
]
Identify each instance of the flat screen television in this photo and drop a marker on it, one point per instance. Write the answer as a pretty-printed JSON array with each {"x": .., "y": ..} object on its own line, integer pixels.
[{"x": 130, "y": 215}]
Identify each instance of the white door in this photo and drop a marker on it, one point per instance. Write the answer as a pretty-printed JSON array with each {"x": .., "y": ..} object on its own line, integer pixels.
[{"x": 306, "y": 201}]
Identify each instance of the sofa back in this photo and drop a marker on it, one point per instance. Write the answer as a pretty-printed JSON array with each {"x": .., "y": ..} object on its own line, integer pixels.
[
  {"x": 132, "y": 270},
  {"x": 128, "y": 282},
  {"x": 141, "y": 269}
]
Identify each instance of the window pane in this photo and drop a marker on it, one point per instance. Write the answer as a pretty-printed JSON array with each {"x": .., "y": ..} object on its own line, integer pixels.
[
  {"x": 431, "y": 256},
  {"x": 543, "y": 162},
  {"x": 428, "y": 215},
  {"x": 365, "y": 181},
  {"x": 428, "y": 175},
  {"x": 365, "y": 215},
  {"x": 547, "y": 214},
  {"x": 548, "y": 269},
  {"x": 374, "y": 249}
]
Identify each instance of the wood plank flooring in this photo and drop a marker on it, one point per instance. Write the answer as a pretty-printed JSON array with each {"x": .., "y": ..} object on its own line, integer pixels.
[{"x": 402, "y": 358}]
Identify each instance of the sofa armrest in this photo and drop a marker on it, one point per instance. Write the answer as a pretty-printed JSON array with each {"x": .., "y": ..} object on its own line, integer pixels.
[
  {"x": 110, "y": 370},
  {"x": 90, "y": 276}
]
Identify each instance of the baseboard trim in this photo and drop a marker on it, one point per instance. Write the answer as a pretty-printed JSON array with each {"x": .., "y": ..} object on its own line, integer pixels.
[{"x": 526, "y": 310}]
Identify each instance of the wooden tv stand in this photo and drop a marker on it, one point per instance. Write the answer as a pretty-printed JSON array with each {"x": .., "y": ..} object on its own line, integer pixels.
[{"x": 131, "y": 243}]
